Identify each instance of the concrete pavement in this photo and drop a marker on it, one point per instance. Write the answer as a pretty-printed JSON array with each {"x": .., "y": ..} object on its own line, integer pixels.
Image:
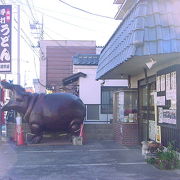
[{"x": 103, "y": 160}]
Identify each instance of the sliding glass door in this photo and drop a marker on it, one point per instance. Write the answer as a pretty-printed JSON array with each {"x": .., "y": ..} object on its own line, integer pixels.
[{"x": 146, "y": 109}]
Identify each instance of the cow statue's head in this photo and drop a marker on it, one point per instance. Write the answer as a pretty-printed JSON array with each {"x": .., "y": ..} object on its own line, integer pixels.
[{"x": 19, "y": 99}]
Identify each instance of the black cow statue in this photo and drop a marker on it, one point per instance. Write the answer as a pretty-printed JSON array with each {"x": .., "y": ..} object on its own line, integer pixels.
[{"x": 46, "y": 112}]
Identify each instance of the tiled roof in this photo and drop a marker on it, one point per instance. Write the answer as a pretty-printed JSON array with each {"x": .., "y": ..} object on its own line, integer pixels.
[
  {"x": 124, "y": 8},
  {"x": 152, "y": 27},
  {"x": 86, "y": 59},
  {"x": 73, "y": 78}
]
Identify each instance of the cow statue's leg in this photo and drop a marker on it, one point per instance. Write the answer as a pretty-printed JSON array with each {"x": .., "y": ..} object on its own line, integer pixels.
[
  {"x": 75, "y": 126},
  {"x": 36, "y": 136}
]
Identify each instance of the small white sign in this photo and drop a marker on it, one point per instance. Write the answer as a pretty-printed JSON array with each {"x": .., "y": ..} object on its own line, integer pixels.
[
  {"x": 161, "y": 101},
  {"x": 163, "y": 82}
]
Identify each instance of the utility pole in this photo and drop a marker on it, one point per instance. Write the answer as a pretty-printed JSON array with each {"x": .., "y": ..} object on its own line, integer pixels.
[
  {"x": 3, "y": 1},
  {"x": 18, "y": 46},
  {"x": 41, "y": 37},
  {"x": 37, "y": 31}
]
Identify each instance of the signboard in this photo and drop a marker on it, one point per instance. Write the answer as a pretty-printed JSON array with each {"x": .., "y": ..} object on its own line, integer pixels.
[
  {"x": 166, "y": 95},
  {"x": 158, "y": 134},
  {"x": 5, "y": 38}
]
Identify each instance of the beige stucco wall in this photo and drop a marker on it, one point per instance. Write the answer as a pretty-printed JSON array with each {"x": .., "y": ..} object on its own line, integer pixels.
[{"x": 152, "y": 71}]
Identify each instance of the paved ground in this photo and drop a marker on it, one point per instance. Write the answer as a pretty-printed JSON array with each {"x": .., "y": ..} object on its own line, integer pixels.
[{"x": 94, "y": 161}]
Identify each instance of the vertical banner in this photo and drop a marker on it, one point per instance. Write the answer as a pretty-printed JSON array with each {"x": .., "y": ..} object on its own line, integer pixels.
[{"x": 5, "y": 38}]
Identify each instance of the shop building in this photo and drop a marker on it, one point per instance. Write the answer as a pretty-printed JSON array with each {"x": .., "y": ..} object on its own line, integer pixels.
[{"x": 145, "y": 49}]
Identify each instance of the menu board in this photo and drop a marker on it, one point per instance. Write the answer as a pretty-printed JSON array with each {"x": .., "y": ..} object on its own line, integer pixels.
[
  {"x": 166, "y": 97},
  {"x": 168, "y": 82},
  {"x": 163, "y": 82},
  {"x": 158, "y": 86}
]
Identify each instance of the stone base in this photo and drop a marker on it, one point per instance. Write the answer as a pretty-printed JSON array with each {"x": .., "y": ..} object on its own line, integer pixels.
[{"x": 77, "y": 140}]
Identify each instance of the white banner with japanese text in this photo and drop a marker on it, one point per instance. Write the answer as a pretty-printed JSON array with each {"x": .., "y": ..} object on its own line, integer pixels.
[{"x": 5, "y": 38}]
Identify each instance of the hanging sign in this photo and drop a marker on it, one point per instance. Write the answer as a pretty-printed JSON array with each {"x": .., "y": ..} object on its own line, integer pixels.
[{"x": 5, "y": 38}]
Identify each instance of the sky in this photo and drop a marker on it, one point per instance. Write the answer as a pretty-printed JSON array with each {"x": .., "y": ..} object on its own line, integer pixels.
[{"x": 60, "y": 22}]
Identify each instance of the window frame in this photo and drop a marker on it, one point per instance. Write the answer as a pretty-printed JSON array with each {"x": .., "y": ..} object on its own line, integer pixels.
[{"x": 110, "y": 90}]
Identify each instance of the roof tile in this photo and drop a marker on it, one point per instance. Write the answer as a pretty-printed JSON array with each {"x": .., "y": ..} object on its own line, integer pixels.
[
  {"x": 152, "y": 27},
  {"x": 86, "y": 59}
]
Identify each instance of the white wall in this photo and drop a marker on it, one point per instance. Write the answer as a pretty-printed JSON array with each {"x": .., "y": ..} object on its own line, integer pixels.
[
  {"x": 113, "y": 82},
  {"x": 90, "y": 88},
  {"x": 99, "y": 49}
]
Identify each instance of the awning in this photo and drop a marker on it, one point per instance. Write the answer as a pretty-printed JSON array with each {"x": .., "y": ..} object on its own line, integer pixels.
[
  {"x": 152, "y": 29},
  {"x": 73, "y": 78}
]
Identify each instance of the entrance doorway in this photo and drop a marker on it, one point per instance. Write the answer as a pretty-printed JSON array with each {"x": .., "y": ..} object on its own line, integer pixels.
[{"x": 146, "y": 109}]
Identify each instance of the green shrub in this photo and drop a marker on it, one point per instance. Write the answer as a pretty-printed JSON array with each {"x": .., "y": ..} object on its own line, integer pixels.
[
  {"x": 151, "y": 160},
  {"x": 167, "y": 159}
]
